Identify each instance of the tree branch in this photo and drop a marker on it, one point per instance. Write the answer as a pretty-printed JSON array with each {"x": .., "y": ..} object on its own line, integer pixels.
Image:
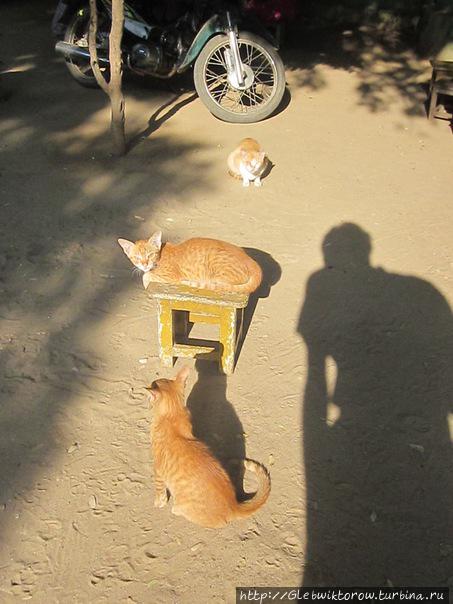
[{"x": 92, "y": 34}]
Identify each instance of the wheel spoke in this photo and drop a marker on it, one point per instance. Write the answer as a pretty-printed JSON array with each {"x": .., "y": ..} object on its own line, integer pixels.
[
  {"x": 264, "y": 73},
  {"x": 265, "y": 92},
  {"x": 251, "y": 94},
  {"x": 269, "y": 82},
  {"x": 217, "y": 83},
  {"x": 212, "y": 74},
  {"x": 217, "y": 62},
  {"x": 231, "y": 98},
  {"x": 264, "y": 64},
  {"x": 249, "y": 53},
  {"x": 213, "y": 86},
  {"x": 249, "y": 50},
  {"x": 252, "y": 54},
  {"x": 218, "y": 94},
  {"x": 241, "y": 96},
  {"x": 217, "y": 59}
]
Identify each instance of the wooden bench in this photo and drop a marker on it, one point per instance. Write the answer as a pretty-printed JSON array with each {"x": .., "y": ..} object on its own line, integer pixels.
[
  {"x": 198, "y": 306},
  {"x": 441, "y": 83}
]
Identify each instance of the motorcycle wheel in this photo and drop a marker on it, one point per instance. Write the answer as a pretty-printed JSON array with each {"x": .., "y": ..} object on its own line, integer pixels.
[
  {"x": 77, "y": 33},
  {"x": 265, "y": 80}
]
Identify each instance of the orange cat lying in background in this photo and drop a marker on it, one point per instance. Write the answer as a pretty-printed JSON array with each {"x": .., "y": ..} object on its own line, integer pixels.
[
  {"x": 200, "y": 263},
  {"x": 201, "y": 489}
]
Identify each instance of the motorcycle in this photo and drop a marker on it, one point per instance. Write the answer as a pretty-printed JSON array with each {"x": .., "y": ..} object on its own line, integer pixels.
[{"x": 238, "y": 74}]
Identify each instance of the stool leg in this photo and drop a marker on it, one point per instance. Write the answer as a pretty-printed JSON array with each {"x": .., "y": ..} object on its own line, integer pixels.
[
  {"x": 433, "y": 81},
  {"x": 432, "y": 103},
  {"x": 228, "y": 340},
  {"x": 165, "y": 331},
  {"x": 241, "y": 325}
]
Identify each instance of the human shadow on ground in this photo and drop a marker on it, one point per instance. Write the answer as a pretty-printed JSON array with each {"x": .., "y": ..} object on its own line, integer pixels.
[
  {"x": 377, "y": 448},
  {"x": 216, "y": 423}
]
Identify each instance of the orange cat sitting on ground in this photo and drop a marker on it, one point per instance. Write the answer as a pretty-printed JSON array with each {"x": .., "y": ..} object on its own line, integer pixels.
[
  {"x": 248, "y": 162},
  {"x": 201, "y": 489},
  {"x": 200, "y": 263}
]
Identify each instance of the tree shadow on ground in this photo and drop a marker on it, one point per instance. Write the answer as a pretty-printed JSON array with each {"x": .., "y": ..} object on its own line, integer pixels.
[
  {"x": 64, "y": 201},
  {"x": 379, "y": 53},
  {"x": 158, "y": 117},
  {"x": 377, "y": 449}
]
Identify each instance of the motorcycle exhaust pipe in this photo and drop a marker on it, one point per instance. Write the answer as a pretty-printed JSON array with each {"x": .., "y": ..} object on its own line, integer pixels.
[{"x": 74, "y": 51}]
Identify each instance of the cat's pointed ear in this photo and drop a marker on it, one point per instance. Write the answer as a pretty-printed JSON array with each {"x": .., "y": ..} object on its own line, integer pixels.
[
  {"x": 156, "y": 239},
  {"x": 126, "y": 245},
  {"x": 182, "y": 375}
]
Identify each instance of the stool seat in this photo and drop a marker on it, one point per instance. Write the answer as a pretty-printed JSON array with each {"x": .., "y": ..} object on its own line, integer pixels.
[{"x": 198, "y": 306}]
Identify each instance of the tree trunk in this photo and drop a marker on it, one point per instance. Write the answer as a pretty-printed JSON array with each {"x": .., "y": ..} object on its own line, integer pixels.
[
  {"x": 112, "y": 87},
  {"x": 117, "y": 123}
]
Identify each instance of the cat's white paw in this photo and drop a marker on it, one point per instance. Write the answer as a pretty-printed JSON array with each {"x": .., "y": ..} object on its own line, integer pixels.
[
  {"x": 257, "y": 182},
  {"x": 146, "y": 279},
  {"x": 161, "y": 499},
  {"x": 245, "y": 182}
]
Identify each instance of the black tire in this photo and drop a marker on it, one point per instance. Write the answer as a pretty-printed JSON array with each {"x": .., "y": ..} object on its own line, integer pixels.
[
  {"x": 77, "y": 30},
  {"x": 261, "y": 98}
]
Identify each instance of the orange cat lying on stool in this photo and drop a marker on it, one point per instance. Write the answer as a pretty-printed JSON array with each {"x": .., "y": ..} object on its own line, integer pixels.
[
  {"x": 201, "y": 489},
  {"x": 200, "y": 263}
]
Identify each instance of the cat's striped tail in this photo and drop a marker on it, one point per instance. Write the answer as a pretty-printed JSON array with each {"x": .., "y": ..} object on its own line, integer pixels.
[
  {"x": 252, "y": 284},
  {"x": 246, "y": 508},
  {"x": 248, "y": 287}
]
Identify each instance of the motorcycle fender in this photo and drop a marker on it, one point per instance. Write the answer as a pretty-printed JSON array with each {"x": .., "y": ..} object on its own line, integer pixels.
[{"x": 213, "y": 26}]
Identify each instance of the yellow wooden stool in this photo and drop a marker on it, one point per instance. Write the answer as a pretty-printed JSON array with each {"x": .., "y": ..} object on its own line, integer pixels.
[{"x": 200, "y": 306}]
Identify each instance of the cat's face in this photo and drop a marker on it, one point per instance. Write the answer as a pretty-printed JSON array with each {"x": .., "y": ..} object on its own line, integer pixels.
[
  {"x": 253, "y": 162},
  {"x": 144, "y": 253},
  {"x": 163, "y": 391}
]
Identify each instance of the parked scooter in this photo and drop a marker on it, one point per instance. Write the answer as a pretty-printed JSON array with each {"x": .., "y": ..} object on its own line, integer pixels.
[{"x": 238, "y": 74}]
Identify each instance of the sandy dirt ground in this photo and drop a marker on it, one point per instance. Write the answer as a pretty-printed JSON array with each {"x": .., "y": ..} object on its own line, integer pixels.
[{"x": 343, "y": 386}]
